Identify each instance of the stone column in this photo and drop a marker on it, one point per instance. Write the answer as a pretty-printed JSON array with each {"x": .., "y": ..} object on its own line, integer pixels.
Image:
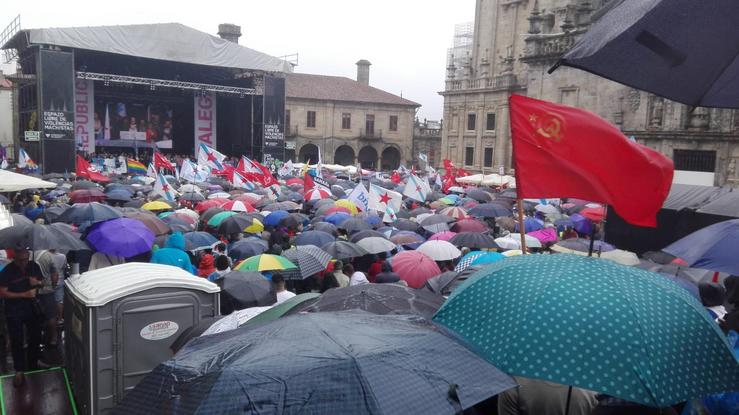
[{"x": 503, "y": 138}]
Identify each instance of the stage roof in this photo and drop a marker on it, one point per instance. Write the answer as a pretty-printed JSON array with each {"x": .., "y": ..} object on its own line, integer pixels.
[{"x": 164, "y": 41}]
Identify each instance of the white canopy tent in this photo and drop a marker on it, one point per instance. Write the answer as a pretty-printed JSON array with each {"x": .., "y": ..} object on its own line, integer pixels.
[{"x": 14, "y": 182}]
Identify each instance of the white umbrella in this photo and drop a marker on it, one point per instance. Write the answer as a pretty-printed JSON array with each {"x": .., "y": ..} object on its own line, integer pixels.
[
  {"x": 219, "y": 195},
  {"x": 456, "y": 189},
  {"x": 375, "y": 244},
  {"x": 547, "y": 209},
  {"x": 189, "y": 212},
  {"x": 513, "y": 241},
  {"x": 188, "y": 188},
  {"x": 423, "y": 216},
  {"x": 439, "y": 250},
  {"x": 617, "y": 255}
]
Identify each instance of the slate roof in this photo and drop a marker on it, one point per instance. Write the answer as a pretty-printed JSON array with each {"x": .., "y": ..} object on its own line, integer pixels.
[{"x": 339, "y": 88}]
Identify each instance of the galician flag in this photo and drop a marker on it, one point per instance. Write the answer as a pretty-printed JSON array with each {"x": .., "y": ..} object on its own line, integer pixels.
[
  {"x": 25, "y": 161},
  {"x": 192, "y": 172},
  {"x": 417, "y": 188},
  {"x": 286, "y": 168},
  {"x": 246, "y": 165},
  {"x": 209, "y": 157},
  {"x": 389, "y": 216},
  {"x": 240, "y": 182},
  {"x": 162, "y": 187},
  {"x": 151, "y": 171},
  {"x": 380, "y": 199}
]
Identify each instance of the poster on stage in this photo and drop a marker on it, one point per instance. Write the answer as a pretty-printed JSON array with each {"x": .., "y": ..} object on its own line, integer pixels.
[
  {"x": 57, "y": 94},
  {"x": 84, "y": 115},
  {"x": 274, "y": 117},
  {"x": 205, "y": 119},
  {"x": 133, "y": 124}
]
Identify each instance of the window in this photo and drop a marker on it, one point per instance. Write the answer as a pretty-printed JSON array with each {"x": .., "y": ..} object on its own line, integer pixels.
[
  {"x": 346, "y": 121},
  {"x": 469, "y": 156},
  {"x": 369, "y": 125},
  {"x": 488, "y": 162},
  {"x": 311, "y": 121},
  {"x": 490, "y": 122},
  {"x": 695, "y": 160},
  {"x": 471, "y": 122},
  {"x": 393, "y": 123}
]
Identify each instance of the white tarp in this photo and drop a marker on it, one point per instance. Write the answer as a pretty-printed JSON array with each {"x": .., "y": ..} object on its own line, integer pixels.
[
  {"x": 488, "y": 180},
  {"x": 14, "y": 182},
  {"x": 165, "y": 41}
]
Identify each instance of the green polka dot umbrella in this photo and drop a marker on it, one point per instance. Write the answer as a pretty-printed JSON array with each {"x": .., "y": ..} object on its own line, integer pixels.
[{"x": 594, "y": 324}]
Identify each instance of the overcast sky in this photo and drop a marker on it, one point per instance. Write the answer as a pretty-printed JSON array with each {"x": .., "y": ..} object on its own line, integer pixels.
[{"x": 406, "y": 40}]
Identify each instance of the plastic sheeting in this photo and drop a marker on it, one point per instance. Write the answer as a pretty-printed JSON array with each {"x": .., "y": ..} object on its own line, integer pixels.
[
  {"x": 164, "y": 41},
  {"x": 727, "y": 204}
]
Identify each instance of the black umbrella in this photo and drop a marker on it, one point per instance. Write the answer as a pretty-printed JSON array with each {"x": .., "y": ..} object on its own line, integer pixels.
[
  {"x": 193, "y": 332},
  {"x": 245, "y": 289},
  {"x": 344, "y": 250},
  {"x": 309, "y": 259},
  {"x": 84, "y": 184},
  {"x": 192, "y": 196},
  {"x": 317, "y": 238},
  {"x": 659, "y": 257},
  {"x": 234, "y": 224},
  {"x": 379, "y": 299},
  {"x": 366, "y": 234},
  {"x": 479, "y": 195},
  {"x": 489, "y": 210},
  {"x": 406, "y": 225},
  {"x": 288, "y": 222},
  {"x": 473, "y": 240},
  {"x": 88, "y": 213},
  {"x": 37, "y": 237},
  {"x": 134, "y": 203},
  {"x": 19, "y": 219},
  {"x": 247, "y": 248},
  {"x": 348, "y": 362},
  {"x": 354, "y": 225},
  {"x": 329, "y": 228},
  {"x": 677, "y": 49},
  {"x": 446, "y": 283},
  {"x": 420, "y": 211}
]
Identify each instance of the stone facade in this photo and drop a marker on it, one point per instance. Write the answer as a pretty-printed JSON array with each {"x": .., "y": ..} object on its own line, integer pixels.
[
  {"x": 427, "y": 140},
  {"x": 518, "y": 41},
  {"x": 6, "y": 116}
]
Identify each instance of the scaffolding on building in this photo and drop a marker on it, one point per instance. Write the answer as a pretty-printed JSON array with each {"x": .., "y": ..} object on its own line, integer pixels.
[{"x": 461, "y": 51}]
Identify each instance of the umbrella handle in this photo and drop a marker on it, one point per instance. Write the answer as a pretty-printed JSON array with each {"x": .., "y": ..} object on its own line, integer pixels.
[{"x": 569, "y": 396}]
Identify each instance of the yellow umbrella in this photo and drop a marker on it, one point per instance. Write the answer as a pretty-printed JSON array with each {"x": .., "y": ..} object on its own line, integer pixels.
[
  {"x": 156, "y": 205},
  {"x": 255, "y": 227},
  {"x": 348, "y": 205}
]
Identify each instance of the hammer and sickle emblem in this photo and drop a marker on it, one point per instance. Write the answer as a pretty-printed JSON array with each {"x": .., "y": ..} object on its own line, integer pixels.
[{"x": 550, "y": 126}]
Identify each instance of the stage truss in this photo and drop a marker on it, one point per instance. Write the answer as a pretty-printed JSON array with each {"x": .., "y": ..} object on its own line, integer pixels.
[{"x": 107, "y": 79}]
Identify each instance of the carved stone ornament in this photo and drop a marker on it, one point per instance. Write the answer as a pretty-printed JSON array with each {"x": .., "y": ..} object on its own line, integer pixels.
[{"x": 633, "y": 97}]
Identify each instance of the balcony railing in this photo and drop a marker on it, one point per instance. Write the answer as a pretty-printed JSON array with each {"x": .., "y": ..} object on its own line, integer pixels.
[{"x": 370, "y": 135}]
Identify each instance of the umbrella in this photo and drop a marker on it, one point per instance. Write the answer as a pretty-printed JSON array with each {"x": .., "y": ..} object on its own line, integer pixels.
[
  {"x": 546, "y": 235},
  {"x": 337, "y": 218},
  {"x": 513, "y": 241},
  {"x": 353, "y": 225},
  {"x": 344, "y": 250},
  {"x": 120, "y": 195},
  {"x": 530, "y": 224},
  {"x": 155, "y": 225},
  {"x": 84, "y": 184},
  {"x": 350, "y": 362},
  {"x": 446, "y": 283},
  {"x": 713, "y": 247},
  {"x": 378, "y": 299},
  {"x": 672, "y": 50},
  {"x": 291, "y": 306},
  {"x": 122, "y": 237},
  {"x": 414, "y": 267},
  {"x": 594, "y": 324},
  {"x": 487, "y": 258},
  {"x": 479, "y": 195},
  {"x": 474, "y": 240},
  {"x": 406, "y": 225},
  {"x": 583, "y": 245},
  {"x": 87, "y": 196},
  {"x": 247, "y": 248},
  {"x": 232, "y": 223},
  {"x": 455, "y": 212},
  {"x": 37, "y": 237},
  {"x": 52, "y": 214},
  {"x": 546, "y": 209},
  {"x": 88, "y": 213},
  {"x": 442, "y": 236},
  {"x": 19, "y": 219},
  {"x": 376, "y": 245},
  {"x": 199, "y": 240},
  {"x": 316, "y": 238},
  {"x": 420, "y": 211},
  {"x": 205, "y": 216},
  {"x": 309, "y": 259},
  {"x": 489, "y": 210},
  {"x": 255, "y": 226},
  {"x": 287, "y": 205},
  {"x": 273, "y": 219},
  {"x": 216, "y": 220},
  {"x": 581, "y": 224},
  {"x": 265, "y": 262},
  {"x": 218, "y": 195},
  {"x": 347, "y": 204},
  {"x": 469, "y": 225},
  {"x": 358, "y": 236},
  {"x": 439, "y": 250},
  {"x": 246, "y": 289},
  {"x": 371, "y": 218},
  {"x": 406, "y": 238},
  {"x": 325, "y": 227},
  {"x": 156, "y": 205},
  {"x": 238, "y": 206},
  {"x": 595, "y": 214}
]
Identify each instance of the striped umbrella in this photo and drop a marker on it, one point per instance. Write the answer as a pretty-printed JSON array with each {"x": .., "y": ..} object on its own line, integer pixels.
[
  {"x": 317, "y": 194},
  {"x": 310, "y": 260},
  {"x": 265, "y": 262},
  {"x": 455, "y": 212}
]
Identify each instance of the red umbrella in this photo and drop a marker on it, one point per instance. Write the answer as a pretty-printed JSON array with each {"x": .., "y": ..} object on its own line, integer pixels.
[
  {"x": 238, "y": 206},
  {"x": 469, "y": 225},
  {"x": 294, "y": 180},
  {"x": 596, "y": 214},
  {"x": 249, "y": 198},
  {"x": 211, "y": 203},
  {"x": 335, "y": 209},
  {"x": 415, "y": 268},
  {"x": 87, "y": 196}
]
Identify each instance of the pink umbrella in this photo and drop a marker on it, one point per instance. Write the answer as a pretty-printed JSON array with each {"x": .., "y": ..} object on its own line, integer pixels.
[
  {"x": 470, "y": 204},
  {"x": 415, "y": 268},
  {"x": 545, "y": 235},
  {"x": 443, "y": 236}
]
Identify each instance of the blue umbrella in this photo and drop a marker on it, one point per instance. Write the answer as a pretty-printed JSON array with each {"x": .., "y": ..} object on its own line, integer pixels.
[
  {"x": 337, "y": 218},
  {"x": 561, "y": 224},
  {"x": 371, "y": 218},
  {"x": 531, "y": 225},
  {"x": 273, "y": 219},
  {"x": 122, "y": 237},
  {"x": 247, "y": 248},
  {"x": 581, "y": 224},
  {"x": 119, "y": 194},
  {"x": 84, "y": 214},
  {"x": 317, "y": 238},
  {"x": 488, "y": 258},
  {"x": 195, "y": 240},
  {"x": 713, "y": 247},
  {"x": 489, "y": 210}
]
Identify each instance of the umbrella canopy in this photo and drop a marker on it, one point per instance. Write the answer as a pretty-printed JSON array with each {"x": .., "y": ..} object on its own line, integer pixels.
[
  {"x": 247, "y": 248},
  {"x": 446, "y": 283},
  {"x": 348, "y": 362},
  {"x": 216, "y": 220},
  {"x": 455, "y": 212},
  {"x": 156, "y": 206},
  {"x": 415, "y": 267},
  {"x": 406, "y": 238},
  {"x": 479, "y": 195},
  {"x": 246, "y": 289},
  {"x": 581, "y": 224},
  {"x": 406, "y": 225},
  {"x": 353, "y": 225},
  {"x": 316, "y": 238},
  {"x": 337, "y": 217},
  {"x": 583, "y": 245},
  {"x": 439, "y": 250},
  {"x": 530, "y": 224},
  {"x": 376, "y": 245},
  {"x": 513, "y": 241},
  {"x": 37, "y": 237},
  {"x": 442, "y": 236},
  {"x": 473, "y": 240},
  {"x": 265, "y": 262},
  {"x": 593, "y": 324},
  {"x": 122, "y": 237},
  {"x": 489, "y": 210},
  {"x": 325, "y": 227},
  {"x": 671, "y": 47},
  {"x": 713, "y": 247},
  {"x": 344, "y": 250},
  {"x": 231, "y": 223},
  {"x": 155, "y": 225},
  {"x": 199, "y": 240},
  {"x": 238, "y": 206},
  {"x": 119, "y": 195},
  {"x": 88, "y": 213},
  {"x": 289, "y": 307},
  {"x": 347, "y": 204},
  {"x": 273, "y": 219},
  {"x": 84, "y": 184},
  {"x": 469, "y": 225},
  {"x": 379, "y": 299},
  {"x": 358, "y": 236},
  {"x": 310, "y": 260},
  {"x": 545, "y": 235},
  {"x": 487, "y": 258}
]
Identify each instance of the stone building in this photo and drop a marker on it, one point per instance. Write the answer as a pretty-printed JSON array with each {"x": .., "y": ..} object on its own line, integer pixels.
[
  {"x": 517, "y": 41},
  {"x": 427, "y": 141},
  {"x": 348, "y": 121}
]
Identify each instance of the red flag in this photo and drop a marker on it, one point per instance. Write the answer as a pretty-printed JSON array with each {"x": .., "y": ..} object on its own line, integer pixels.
[
  {"x": 395, "y": 178},
  {"x": 161, "y": 162},
  {"x": 561, "y": 151},
  {"x": 84, "y": 170},
  {"x": 308, "y": 183}
]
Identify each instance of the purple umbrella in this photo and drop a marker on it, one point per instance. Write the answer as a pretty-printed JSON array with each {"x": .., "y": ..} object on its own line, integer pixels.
[
  {"x": 121, "y": 237},
  {"x": 581, "y": 224}
]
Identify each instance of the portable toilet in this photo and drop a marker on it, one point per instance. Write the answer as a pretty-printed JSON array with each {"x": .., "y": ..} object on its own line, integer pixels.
[{"x": 120, "y": 322}]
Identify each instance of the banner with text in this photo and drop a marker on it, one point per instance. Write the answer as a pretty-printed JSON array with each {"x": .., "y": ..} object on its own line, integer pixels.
[
  {"x": 84, "y": 115},
  {"x": 57, "y": 94},
  {"x": 205, "y": 119},
  {"x": 274, "y": 117}
]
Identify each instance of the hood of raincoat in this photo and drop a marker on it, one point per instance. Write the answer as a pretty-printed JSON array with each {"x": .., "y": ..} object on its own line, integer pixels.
[{"x": 176, "y": 240}]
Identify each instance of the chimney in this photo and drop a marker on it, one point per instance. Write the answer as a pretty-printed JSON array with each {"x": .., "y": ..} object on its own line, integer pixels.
[
  {"x": 230, "y": 32},
  {"x": 363, "y": 71}
]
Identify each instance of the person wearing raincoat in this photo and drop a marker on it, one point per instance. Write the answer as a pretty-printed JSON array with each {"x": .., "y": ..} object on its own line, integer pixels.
[{"x": 174, "y": 254}]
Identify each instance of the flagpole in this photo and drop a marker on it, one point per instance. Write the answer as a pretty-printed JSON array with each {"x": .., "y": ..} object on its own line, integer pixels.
[{"x": 521, "y": 227}]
